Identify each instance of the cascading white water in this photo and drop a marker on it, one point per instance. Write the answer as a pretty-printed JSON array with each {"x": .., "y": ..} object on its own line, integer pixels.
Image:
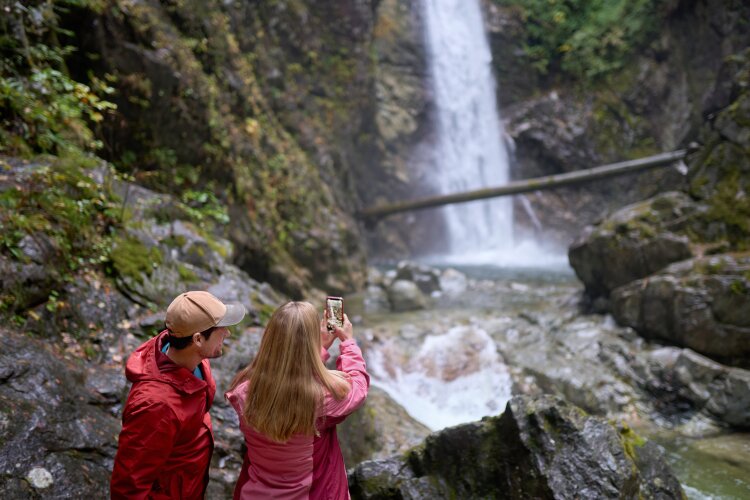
[
  {"x": 470, "y": 151},
  {"x": 450, "y": 379}
]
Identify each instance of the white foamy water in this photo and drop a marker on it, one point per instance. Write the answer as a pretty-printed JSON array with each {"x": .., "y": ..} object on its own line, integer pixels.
[
  {"x": 470, "y": 152},
  {"x": 453, "y": 378},
  {"x": 526, "y": 253},
  {"x": 696, "y": 494}
]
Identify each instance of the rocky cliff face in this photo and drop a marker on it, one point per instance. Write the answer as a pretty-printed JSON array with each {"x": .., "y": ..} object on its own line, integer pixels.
[
  {"x": 656, "y": 102},
  {"x": 264, "y": 103},
  {"x": 697, "y": 302}
]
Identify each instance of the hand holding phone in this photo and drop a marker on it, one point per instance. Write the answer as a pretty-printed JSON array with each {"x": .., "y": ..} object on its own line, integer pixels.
[{"x": 334, "y": 313}]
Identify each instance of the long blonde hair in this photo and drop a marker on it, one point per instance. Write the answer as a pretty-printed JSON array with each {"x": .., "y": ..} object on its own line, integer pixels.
[{"x": 287, "y": 378}]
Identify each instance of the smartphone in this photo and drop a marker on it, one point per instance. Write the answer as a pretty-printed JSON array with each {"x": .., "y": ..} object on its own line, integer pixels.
[{"x": 335, "y": 308}]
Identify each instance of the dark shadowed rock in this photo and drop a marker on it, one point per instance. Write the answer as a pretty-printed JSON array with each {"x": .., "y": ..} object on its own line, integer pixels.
[
  {"x": 57, "y": 437},
  {"x": 702, "y": 304},
  {"x": 538, "y": 448}
]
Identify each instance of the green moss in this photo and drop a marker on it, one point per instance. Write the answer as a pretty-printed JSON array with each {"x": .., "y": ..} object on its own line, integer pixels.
[
  {"x": 186, "y": 275},
  {"x": 730, "y": 204},
  {"x": 131, "y": 258},
  {"x": 630, "y": 441},
  {"x": 739, "y": 287},
  {"x": 175, "y": 241}
]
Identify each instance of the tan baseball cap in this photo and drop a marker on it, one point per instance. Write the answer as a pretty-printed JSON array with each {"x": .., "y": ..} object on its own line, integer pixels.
[{"x": 193, "y": 312}]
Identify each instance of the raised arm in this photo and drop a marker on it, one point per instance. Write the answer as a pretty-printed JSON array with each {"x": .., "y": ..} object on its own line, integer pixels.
[{"x": 351, "y": 362}]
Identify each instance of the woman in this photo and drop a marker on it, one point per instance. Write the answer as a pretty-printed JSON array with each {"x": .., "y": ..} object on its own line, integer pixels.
[{"x": 289, "y": 404}]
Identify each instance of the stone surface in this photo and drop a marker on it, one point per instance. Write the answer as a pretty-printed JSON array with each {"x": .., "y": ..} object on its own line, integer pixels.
[
  {"x": 702, "y": 303},
  {"x": 723, "y": 391},
  {"x": 452, "y": 282},
  {"x": 405, "y": 296},
  {"x": 425, "y": 277},
  {"x": 375, "y": 300},
  {"x": 55, "y": 443},
  {"x": 379, "y": 429},
  {"x": 636, "y": 241},
  {"x": 538, "y": 448}
]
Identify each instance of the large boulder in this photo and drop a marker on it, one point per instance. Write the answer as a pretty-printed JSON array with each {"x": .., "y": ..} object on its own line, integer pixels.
[
  {"x": 636, "y": 241},
  {"x": 703, "y": 304},
  {"x": 538, "y": 448},
  {"x": 406, "y": 296},
  {"x": 425, "y": 277}
]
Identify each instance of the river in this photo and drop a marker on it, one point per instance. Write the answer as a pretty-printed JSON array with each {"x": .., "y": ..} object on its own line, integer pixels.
[{"x": 519, "y": 330}]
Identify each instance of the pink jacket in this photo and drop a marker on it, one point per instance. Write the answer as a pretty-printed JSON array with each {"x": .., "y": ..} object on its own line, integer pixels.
[{"x": 304, "y": 467}]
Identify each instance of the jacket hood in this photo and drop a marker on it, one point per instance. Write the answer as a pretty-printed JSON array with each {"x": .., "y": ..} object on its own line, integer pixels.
[{"x": 148, "y": 363}]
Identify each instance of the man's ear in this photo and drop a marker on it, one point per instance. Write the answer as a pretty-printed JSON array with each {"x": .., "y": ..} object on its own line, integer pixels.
[{"x": 198, "y": 339}]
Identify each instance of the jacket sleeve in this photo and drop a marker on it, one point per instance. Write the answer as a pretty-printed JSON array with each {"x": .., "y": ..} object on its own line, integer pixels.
[
  {"x": 324, "y": 354},
  {"x": 148, "y": 431},
  {"x": 351, "y": 362}
]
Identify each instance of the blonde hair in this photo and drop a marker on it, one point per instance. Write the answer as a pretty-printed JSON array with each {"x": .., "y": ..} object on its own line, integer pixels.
[{"x": 288, "y": 379}]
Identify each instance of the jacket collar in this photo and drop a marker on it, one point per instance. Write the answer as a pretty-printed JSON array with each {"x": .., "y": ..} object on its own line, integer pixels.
[{"x": 149, "y": 363}]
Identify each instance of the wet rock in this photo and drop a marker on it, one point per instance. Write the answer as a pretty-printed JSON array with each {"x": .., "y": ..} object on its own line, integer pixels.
[
  {"x": 702, "y": 304},
  {"x": 234, "y": 285},
  {"x": 426, "y": 278},
  {"x": 635, "y": 242},
  {"x": 375, "y": 277},
  {"x": 229, "y": 443},
  {"x": 453, "y": 282},
  {"x": 379, "y": 429},
  {"x": 38, "y": 248},
  {"x": 405, "y": 296},
  {"x": 722, "y": 391},
  {"x": 538, "y": 448},
  {"x": 376, "y": 300},
  {"x": 55, "y": 445},
  {"x": 108, "y": 384},
  {"x": 239, "y": 350},
  {"x": 24, "y": 284}
]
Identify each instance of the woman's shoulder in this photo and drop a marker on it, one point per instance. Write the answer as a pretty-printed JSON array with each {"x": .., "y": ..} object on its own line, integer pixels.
[{"x": 238, "y": 393}]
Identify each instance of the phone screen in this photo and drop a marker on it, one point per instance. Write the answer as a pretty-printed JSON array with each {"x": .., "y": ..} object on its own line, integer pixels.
[{"x": 335, "y": 308}]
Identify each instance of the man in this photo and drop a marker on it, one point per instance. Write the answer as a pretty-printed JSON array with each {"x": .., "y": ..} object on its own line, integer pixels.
[{"x": 166, "y": 441}]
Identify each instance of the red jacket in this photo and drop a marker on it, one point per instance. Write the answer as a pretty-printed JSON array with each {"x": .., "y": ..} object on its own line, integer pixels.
[
  {"x": 166, "y": 441},
  {"x": 304, "y": 467}
]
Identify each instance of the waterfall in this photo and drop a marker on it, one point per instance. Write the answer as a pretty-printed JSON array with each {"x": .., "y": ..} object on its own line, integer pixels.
[{"x": 470, "y": 152}]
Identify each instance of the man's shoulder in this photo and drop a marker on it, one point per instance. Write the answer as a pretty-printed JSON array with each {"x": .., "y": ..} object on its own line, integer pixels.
[{"x": 153, "y": 394}]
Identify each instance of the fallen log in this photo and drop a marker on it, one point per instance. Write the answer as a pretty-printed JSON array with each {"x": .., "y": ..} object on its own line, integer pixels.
[{"x": 528, "y": 185}]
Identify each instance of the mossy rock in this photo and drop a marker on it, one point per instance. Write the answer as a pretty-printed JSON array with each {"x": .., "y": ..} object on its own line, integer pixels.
[{"x": 538, "y": 448}]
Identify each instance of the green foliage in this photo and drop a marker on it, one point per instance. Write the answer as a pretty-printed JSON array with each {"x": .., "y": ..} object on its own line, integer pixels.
[
  {"x": 203, "y": 205},
  {"x": 42, "y": 110},
  {"x": 586, "y": 38},
  {"x": 63, "y": 205}
]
